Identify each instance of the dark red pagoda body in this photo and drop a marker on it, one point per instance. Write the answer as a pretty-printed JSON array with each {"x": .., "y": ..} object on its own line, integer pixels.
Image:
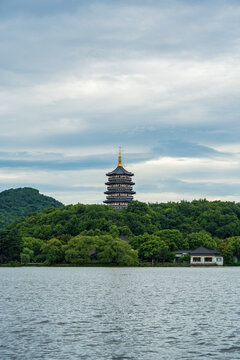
[{"x": 119, "y": 187}]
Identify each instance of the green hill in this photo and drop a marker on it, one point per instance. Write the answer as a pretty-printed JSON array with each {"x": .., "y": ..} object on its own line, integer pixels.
[
  {"x": 219, "y": 219},
  {"x": 17, "y": 203},
  {"x": 89, "y": 234}
]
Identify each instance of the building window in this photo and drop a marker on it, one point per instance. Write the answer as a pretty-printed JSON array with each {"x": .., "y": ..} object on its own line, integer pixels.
[
  {"x": 196, "y": 259},
  {"x": 207, "y": 259},
  {"x": 219, "y": 259}
]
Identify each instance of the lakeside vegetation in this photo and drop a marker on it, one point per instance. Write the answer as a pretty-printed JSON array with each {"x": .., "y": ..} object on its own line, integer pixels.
[{"x": 89, "y": 234}]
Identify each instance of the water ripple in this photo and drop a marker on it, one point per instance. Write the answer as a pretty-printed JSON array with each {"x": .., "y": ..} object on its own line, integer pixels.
[{"x": 119, "y": 313}]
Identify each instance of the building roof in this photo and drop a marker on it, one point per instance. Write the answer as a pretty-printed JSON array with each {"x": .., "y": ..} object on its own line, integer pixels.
[
  {"x": 199, "y": 251},
  {"x": 120, "y": 171},
  {"x": 182, "y": 251},
  {"x": 124, "y": 238}
]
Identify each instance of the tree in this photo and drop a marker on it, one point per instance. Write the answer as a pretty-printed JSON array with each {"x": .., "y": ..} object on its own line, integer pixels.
[
  {"x": 25, "y": 258},
  {"x": 235, "y": 245},
  {"x": 43, "y": 231},
  {"x": 33, "y": 244},
  {"x": 155, "y": 250},
  {"x": 102, "y": 249},
  {"x": 201, "y": 238},
  {"x": 53, "y": 251},
  {"x": 225, "y": 247},
  {"x": 137, "y": 207},
  {"x": 125, "y": 231},
  {"x": 229, "y": 230},
  {"x": 118, "y": 252},
  {"x": 10, "y": 245},
  {"x": 137, "y": 241},
  {"x": 113, "y": 230},
  {"x": 184, "y": 259},
  {"x": 173, "y": 238},
  {"x": 79, "y": 248},
  {"x": 26, "y": 255}
]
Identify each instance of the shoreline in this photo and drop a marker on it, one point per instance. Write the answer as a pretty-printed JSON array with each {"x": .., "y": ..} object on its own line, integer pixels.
[{"x": 114, "y": 265}]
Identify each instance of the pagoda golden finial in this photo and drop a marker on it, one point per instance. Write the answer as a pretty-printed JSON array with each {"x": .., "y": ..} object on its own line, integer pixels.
[{"x": 120, "y": 157}]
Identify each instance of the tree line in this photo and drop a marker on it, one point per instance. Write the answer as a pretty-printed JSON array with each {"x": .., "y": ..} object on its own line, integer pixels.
[{"x": 84, "y": 234}]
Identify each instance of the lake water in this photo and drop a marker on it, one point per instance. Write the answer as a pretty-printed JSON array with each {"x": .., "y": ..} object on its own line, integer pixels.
[{"x": 120, "y": 313}]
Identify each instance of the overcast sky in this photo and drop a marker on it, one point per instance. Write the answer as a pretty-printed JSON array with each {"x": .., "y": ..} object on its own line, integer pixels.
[{"x": 161, "y": 78}]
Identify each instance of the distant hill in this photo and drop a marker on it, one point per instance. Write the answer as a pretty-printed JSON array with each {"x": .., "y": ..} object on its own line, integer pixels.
[{"x": 17, "y": 203}]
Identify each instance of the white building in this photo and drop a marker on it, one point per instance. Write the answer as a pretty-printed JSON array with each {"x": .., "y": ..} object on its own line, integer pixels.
[{"x": 202, "y": 256}]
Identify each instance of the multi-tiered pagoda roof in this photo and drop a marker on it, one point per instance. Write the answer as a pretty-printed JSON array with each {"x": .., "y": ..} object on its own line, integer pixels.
[{"x": 119, "y": 186}]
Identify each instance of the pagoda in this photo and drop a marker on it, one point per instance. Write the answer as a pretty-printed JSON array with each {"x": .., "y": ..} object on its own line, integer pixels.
[{"x": 119, "y": 186}]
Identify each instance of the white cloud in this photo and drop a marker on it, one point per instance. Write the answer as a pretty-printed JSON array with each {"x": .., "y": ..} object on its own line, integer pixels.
[
  {"x": 174, "y": 196},
  {"x": 9, "y": 177},
  {"x": 227, "y": 148},
  {"x": 88, "y": 197},
  {"x": 173, "y": 167}
]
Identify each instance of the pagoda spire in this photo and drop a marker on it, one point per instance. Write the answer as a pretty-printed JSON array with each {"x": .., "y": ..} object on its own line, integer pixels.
[{"x": 120, "y": 157}]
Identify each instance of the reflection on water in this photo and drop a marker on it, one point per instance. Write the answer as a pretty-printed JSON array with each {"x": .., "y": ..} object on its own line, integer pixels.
[{"x": 120, "y": 313}]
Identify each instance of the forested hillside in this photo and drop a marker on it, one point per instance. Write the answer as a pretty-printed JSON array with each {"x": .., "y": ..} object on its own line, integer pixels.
[
  {"x": 17, "y": 203},
  {"x": 81, "y": 234}
]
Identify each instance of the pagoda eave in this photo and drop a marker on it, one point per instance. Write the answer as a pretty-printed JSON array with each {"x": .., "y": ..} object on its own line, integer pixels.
[
  {"x": 110, "y": 174},
  {"x": 119, "y": 171},
  {"x": 117, "y": 200},
  {"x": 119, "y": 192}
]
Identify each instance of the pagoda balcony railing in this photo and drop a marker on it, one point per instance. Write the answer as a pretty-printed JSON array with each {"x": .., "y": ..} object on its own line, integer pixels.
[
  {"x": 119, "y": 191},
  {"x": 127, "y": 182},
  {"x": 122, "y": 198},
  {"x": 114, "y": 185},
  {"x": 119, "y": 186},
  {"x": 115, "y": 176}
]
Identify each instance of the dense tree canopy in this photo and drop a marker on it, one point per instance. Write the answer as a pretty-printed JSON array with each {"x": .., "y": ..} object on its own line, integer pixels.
[{"x": 81, "y": 234}]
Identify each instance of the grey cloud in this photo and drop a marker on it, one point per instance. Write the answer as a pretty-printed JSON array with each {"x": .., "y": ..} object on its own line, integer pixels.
[
  {"x": 80, "y": 32},
  {"x": 132, "y": 50},
  {"x": 178, "y": 186}
]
